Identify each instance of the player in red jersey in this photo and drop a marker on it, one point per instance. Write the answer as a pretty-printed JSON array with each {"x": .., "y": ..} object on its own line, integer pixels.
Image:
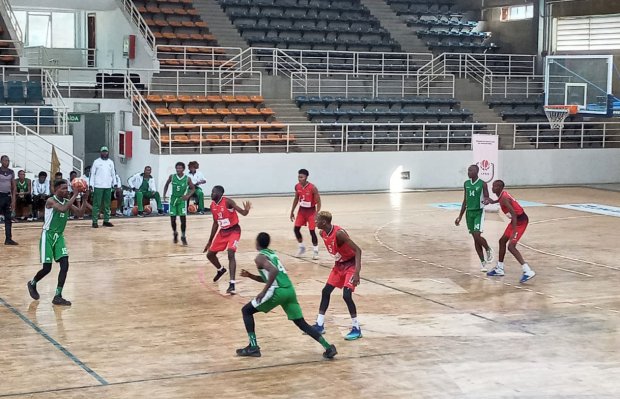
[
  {"x": 345, "y": 274},
  {"x": 514, "y": 231},
  {"x": 226, "y": 220},
  {"x": 309, "y": 200}
]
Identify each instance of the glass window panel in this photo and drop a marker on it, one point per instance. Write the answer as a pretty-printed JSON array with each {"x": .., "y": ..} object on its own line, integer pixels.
[{"x": 63, "y": 30}]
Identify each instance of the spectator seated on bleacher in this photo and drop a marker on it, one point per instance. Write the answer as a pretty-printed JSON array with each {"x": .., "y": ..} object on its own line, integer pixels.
[
  {"x": 40, "y": 193},
  {"x": 118, "y": 197},
  {"x": 144, "y": 186},
  {"x": 23, "y": 198}
]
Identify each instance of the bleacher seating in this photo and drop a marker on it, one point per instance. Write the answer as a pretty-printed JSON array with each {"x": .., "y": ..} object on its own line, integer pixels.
[
  {"x": 183, "y": 37},
  {"x": 382, "y": 110},
  {"x": 28, "y": 115},
  {"x": 515, "y": 109},
  {"x": 309, "y": 24},
  {"x": 443, "y": 26},
  {"x": 19, "y": 92}
]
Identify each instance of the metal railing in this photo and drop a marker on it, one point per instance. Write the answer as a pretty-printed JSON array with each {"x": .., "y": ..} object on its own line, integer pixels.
[
  {"x": 195, "y": 57},
  {"x": 505, "y": 86},
  {"x": 134, "y": 15},
  {"x": 571, "y": 135},
  {"x": 140, "y": 107},
  {"x": 60, "y": 57},
  {"x": 9, "y": 50},
  {"x": 371, "y": 85},
  {"x": 13, "y": 22},
  {"x": 461, "y": 64},
  {"x": 202, "y": 82},
  {"x": 349, "y": 137},
  {"x": 32, "y": 151},
  {"x": 37, "y": 118}
]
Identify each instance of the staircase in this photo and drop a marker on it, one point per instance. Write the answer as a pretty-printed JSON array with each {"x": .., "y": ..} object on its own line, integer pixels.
[
  {"x": 219, "y": 24},
  {"x": 398, "y": 29}
]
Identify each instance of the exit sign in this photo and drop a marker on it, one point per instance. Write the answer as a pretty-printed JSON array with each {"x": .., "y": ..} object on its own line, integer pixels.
[{"x": 72, "y": 118}]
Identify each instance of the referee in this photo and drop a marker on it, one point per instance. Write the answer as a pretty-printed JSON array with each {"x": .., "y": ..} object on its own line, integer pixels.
[{"x": 7, "y": 197}]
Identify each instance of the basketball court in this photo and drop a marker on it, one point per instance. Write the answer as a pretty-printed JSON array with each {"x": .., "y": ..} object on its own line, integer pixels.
[{"x": 148, "y": 322}]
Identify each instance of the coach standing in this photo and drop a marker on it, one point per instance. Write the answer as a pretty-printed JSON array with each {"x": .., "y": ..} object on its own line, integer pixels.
[
  {"x": 7, "y": 197},
  {"x": 102, "y": 175}
]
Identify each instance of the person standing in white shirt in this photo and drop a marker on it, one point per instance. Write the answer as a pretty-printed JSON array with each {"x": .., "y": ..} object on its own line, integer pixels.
[
  {"x": 199, "y": 180},
  {"x": 102, "y": 176}
]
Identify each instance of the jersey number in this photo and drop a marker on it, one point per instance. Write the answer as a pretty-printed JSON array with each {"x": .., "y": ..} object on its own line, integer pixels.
[{"x": 472, "y": 193}]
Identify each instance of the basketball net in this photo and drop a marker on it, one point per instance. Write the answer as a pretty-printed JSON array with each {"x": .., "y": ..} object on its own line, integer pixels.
[{"x": 557, "y": 114}]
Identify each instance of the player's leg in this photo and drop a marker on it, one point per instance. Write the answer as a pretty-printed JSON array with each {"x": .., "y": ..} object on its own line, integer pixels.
[
  {"x": 107, "y": 199},
  {"x": 252, "y": 350},
  {"x": 173, "y": 224},
  {"x": 347, "y": 295},
  {"x": 183, "y": 228},
  {"x": 325, "y": 298},
  {"x": 528, "y": 273},
  {"x": 479, "y": 251},
  {"x": 232, "y": 267},
  {"x": 32, "y": 284},
  {"x": 499, "y": 269},
  {"x": 5, "y": 209},
  {"x": 314, "y": 238},
  {"x": 62, "y": 277},
  {"x": 212, "y": 257},
  {"x": 300, "y": 221},
  {"x": 46, "y": 254}
]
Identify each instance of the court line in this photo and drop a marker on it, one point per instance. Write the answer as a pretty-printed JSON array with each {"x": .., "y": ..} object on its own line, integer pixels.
[
  {"x": 51, "y": 340},
  {"x": 205, "y": 373},
  {"x": 573, "y": 271},
  {"x": 412, "y": 293},
  {"x": 587, "y": 262}
]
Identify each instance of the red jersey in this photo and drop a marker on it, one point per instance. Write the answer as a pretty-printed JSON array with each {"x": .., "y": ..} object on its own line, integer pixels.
[
  {"x": 225, "y": 217},
  {"x": 340, "y": 253},
  {"x": 515, "y": 205},
  {"x": 306, "y": 195}
]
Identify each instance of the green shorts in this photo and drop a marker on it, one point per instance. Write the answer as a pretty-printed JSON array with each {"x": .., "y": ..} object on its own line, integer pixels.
[
  {"x": 178, "y": 207},
  {"x": 52, "y": 247},
  {"x": 285, "y": 297},
  {"x": 475, "y": 221}
]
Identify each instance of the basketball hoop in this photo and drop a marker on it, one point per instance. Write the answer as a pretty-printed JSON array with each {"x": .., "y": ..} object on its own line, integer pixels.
[{"x": 557, "y": 114}]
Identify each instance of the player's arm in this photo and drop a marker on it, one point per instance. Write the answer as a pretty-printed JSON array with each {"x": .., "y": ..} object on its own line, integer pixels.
[
  {"x": 166, "y": 186},
  {"x": 247, "y": 205},
  {"x": 263, "y": 263},
  {"x": 485, "y": 193},
  {"x": 13, "y": 193},
  {"x": 191, "y": 191},
  {"x": 295, "y": 202},
  {"x": 214, "y": 228},
  {"x": 317, "y": 196},
  {"x": 343, "y": 238},
  {"x": 463, "y": 207},
  {"x": 258, "y": 260},
  {"x": 58, "y": 207},
  {"x": 513, "y": 215}
]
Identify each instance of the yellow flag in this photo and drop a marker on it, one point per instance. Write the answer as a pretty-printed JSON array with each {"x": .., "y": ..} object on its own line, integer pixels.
[{"x": 55, "y": 162}]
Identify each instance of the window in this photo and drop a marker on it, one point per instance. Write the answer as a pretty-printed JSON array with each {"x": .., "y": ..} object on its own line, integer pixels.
[
  {"x": 516, "y": 13},
  {"x": 597, "y": 32},
  {"x": 54, "y": 29}
]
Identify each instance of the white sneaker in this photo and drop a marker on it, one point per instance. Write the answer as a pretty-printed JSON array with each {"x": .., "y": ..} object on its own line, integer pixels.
[
  {"x": 489, "y": 258},
  {"x": 301, "y": 251},
  {"x": 496, "y": 272},
  {"x": 527, "y": 276},
  {"x": 315, "y": 255},
  {"x": 483, "y": 268}
]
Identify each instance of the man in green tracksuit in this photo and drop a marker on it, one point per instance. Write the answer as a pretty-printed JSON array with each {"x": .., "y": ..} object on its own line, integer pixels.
[
  {"x": 278, "y": 291},
  {"x": 102, "y": 176}
]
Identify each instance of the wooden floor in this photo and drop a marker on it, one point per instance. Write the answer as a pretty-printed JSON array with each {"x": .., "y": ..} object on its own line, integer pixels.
[{"x": 148, "y": 323}]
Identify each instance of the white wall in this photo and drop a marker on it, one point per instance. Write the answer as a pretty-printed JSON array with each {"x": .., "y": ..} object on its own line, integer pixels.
[
  {"x": 36, "y": 154},
  {"x": 276, "y": 173}
]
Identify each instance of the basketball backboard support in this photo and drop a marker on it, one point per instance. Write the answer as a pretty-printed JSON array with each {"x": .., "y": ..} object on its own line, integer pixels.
[{"x": 582, "y": 80}]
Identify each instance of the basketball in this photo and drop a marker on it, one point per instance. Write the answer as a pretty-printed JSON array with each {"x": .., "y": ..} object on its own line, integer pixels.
[
  {"x": 192, "y": 208},
  {"x": 134, "y": 211},
  {"x": 79, "y": 185},
  {"x": 147, "y": 209}
]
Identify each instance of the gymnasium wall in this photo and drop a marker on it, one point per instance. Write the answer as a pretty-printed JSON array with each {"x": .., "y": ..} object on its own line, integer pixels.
[{"x": 276, "y": 173}]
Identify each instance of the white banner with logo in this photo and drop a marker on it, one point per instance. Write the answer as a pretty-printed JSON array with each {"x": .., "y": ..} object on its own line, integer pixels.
[{"x": 486, "y": 155}]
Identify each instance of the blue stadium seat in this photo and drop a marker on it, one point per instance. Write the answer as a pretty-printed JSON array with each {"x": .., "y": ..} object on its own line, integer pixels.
[
  {"x": 26, "y": 116},
  {"x": 15, "y": 92},
  {"x": 46, "y": 116},
  {"x": 34, "y": 92}
]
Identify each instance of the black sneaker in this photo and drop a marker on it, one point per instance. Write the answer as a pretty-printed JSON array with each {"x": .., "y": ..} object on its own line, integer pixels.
[
  {"x": 160, "y": 211},
  {"x": 95, "y": 226},
  {"x": 9, "y": 241},
  {"x": 184, "y": 241},
  {"x": 32, "y": 289},
  {"x": 330, "y": 352},
  {"x": 58, "y": 300},
  {"x": 140, "y": 214},
  {"x": 219, "y": 274},
  {"x": 231, "y": 289},
  {"x": 251, "y": 351},
  {"x": 107, "y": 224},
  {"x": 175, "y": 238}
]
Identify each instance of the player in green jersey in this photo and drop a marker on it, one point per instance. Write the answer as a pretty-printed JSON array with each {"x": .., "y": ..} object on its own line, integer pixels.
[
  {"x": 182, "y": 190},
  {"x": 476, "y": 195},
  {"x": 52, "y": 245},
  {"x": 278, "y": 291}
]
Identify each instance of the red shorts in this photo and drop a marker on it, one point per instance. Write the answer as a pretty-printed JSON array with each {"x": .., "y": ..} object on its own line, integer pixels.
[
  {"x": 226, "y": 239},
  {"x": 341, "y": 274},
  {"x": 306, "y": 216},
  {"x": 522, "y": 221}
]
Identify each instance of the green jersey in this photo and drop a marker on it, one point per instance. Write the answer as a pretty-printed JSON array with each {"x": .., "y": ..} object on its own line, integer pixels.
[
  {"x": 22, "y": 187},
  {"x": 474, "y": 194},
  {"x": 55, "y": 221},
  {"x": 180, "y": 185},
  {"x": 282, "y": 280}
]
